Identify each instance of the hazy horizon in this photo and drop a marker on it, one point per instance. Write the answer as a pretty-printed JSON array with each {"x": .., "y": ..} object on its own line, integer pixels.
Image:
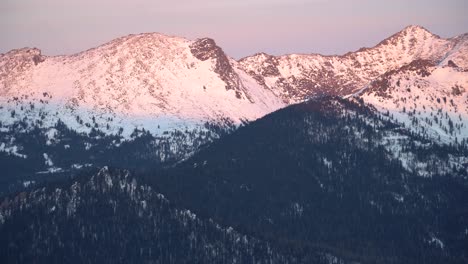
[{"x": 275, "y": 27}]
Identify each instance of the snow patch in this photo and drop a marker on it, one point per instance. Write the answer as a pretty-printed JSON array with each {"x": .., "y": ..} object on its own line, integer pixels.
[
  {"x": 437, "y": 242},
  {"x": 47, "y": 160},
  {"x": 28, "y": 183}
]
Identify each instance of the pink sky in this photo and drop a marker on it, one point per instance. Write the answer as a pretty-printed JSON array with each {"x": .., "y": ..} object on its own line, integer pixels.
[{"x": 240, "y": 27}]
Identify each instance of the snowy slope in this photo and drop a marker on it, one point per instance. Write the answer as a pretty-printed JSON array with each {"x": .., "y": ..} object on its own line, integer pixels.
[
  {"x": 298, "y": 76},
  {"x": 429, "y": 99},
  {"x": 148, "y": 81},
  {"x": 459, "y": 54}
]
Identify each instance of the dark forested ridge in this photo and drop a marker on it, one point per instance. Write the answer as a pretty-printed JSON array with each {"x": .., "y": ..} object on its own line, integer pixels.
[
  {"x": 322, "y": 175},
  {"x": 110, "y": 217},
  {"x": 325, "y": 181},
  {"x": 67, "y": 152}
]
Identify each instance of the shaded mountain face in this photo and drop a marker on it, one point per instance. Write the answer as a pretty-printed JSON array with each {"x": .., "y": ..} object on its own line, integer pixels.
[
  {"x": 111, "y": 217},
  {"x": 31, "y": 155},
  {"x": 332, "y": 175},
  {"x": 326, "y": 181}
]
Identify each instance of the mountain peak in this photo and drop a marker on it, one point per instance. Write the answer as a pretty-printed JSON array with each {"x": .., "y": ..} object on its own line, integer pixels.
[
  {"x": 410, "y": 34},
  {"x": 418, "y": 31},
  {"x": 414, "y": 29}
]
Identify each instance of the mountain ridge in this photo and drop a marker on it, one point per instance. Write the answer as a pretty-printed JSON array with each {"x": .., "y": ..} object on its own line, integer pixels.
[
  {"x": 295, "y": 77},
  {"x": 185, "y": 93},
  {"x": 144, "y": 67}
]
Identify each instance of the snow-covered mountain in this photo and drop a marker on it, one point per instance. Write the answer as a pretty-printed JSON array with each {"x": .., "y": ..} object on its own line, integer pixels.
[
  {"x": 296, "y": 77},
  {"x": 416, "y": 77},
  {"x": 137, "y": 102},
  {"x": 428, "y": 98},
  {"x": 161, "y": 83},
  {"x": 148, "y": 81}
]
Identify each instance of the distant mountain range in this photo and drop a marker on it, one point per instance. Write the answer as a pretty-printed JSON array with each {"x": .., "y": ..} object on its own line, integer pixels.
[
  {"x": 183, "y": 94},
  {"x": 169, "y": 151},
  {"x": 162, "y": 83}
]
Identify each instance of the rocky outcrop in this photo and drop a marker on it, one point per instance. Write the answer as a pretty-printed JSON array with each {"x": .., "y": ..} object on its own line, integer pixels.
[{"x": 205, "y": 49}]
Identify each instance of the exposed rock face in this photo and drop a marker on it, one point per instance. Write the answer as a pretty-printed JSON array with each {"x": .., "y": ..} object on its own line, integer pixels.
[
  {"x": 452, "y": 64},
  {"x": 205, "y": 49},
  {"x": 18, "y": 60},
  {"x": 381, "y": 85},
  {"x": 270, "y": 65}
]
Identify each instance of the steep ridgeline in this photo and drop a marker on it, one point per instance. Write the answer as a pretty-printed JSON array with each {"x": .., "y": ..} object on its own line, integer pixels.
[
  {"x": 297, "y": 77},
  {"x": 62, "y": 113},
  {"x": 111, "y": 217},
  {"x": 330, "y": 175}
]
